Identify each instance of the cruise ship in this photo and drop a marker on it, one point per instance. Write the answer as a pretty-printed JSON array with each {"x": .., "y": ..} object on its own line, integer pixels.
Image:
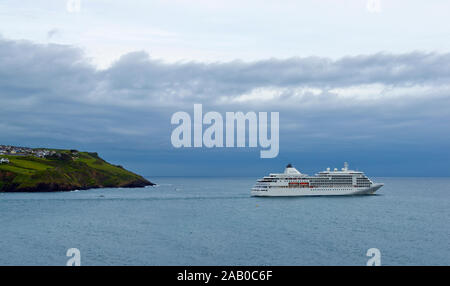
[{"x": 326, "y": 183}]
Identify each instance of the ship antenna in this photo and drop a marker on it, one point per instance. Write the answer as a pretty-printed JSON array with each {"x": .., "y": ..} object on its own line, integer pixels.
[{"x": 346, "y": 166}]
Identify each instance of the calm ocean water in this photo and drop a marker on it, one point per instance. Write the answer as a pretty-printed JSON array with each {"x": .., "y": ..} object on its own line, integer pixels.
[{"x": 214, "y": 221}]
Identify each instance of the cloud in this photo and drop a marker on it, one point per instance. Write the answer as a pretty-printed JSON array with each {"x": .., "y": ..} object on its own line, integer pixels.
[
  {"x": 52, "y": 33},
  {"x": 136, "y": 80},
  {"x": 52, "y": 93}
]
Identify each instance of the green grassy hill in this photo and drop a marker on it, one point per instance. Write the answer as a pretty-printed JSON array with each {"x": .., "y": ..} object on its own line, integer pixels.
[{"x": 64, "y": 171}]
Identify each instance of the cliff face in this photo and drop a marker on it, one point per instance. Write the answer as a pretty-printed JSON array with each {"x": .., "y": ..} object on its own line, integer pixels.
[{"x": 64, "y": 171}]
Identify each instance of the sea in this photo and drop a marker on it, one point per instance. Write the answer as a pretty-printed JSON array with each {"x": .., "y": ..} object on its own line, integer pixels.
[{"x": 215, "y": 221}]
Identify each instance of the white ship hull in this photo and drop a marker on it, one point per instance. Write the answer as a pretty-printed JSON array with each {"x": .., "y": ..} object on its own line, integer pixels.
[{"x": 289, "y": 192}]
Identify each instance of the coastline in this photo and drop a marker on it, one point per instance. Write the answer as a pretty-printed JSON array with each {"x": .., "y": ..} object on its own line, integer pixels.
[{"x": 64, "y": 170}]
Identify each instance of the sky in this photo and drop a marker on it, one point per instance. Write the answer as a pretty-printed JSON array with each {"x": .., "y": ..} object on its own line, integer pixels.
[{"x": 367, "y": 82}]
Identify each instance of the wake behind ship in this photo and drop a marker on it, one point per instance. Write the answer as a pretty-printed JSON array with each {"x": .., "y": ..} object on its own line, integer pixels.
[{"x": 325, "y": 183}]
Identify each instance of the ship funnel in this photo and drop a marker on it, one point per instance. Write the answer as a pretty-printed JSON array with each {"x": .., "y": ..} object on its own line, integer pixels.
[
  {"x": 291, "y": 170},
  {"x": 345, "y": 166}
]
